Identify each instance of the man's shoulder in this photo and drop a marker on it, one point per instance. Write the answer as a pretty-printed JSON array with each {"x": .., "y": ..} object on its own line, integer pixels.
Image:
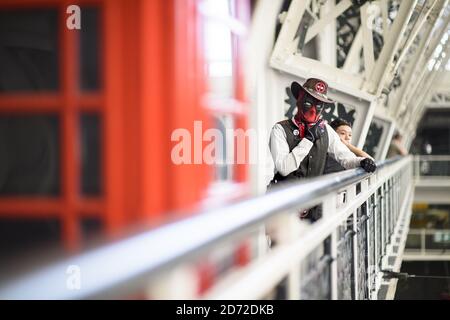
[
  {"x": 284, "y": 122},
  {"x": 329, "y": 129},
  {"x": 287, "y": 123},
  {"x": 327, "y": 125}
]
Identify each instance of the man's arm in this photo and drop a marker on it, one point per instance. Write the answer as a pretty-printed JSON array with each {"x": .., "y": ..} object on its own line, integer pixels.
[
  {"x": 269, "y": 167},
  {"x": 340, "y": 152},
  {"x": 285, "y": 161}
]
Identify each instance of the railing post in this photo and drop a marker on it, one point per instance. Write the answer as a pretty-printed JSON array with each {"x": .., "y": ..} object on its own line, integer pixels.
[
  {"x": 288, "y": 228},
  {"x": 378, "y": 238},
  {"x": 329, "y": 206},
  {"x": 382, "y": 224},
  {"x": 178, "y": 283},
  {"x": 263, "y": 242},
  {"x": 294, "y": 284},
  {"x": 333, "y": 266},
  {"x": 355, "y": 254}
]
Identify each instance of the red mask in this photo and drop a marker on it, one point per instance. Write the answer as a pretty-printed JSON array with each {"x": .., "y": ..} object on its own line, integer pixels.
[
  {"x": 309, "y": 109},
  {"x": 310, "y": 116}
]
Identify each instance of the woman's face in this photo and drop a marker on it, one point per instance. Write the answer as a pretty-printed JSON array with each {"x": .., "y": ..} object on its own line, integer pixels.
[{"x": 345, "y": 133}]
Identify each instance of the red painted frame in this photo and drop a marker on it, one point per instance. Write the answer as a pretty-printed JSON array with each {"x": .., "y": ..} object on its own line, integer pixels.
[
  {"x": 67, "y": 103},
  {"x": 237, "y": 108},
  {"x": 152, "y": 80}
]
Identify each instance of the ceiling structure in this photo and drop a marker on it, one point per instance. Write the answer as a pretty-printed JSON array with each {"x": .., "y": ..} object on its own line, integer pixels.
[{"x": 391, "y": 53}]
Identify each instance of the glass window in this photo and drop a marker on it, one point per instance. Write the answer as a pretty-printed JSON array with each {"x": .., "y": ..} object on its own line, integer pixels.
[
  {"x": 374, "y": 137},
  {"x": 218, "y": 45},
  {"x": 338, "y": 110},
  {"x": 218, "y": 49},
  {"x": 29, "y": 155},
  {"x": 224, "y": 148},
  {"x": 19, "y": 236},
  {"x": 90, "y": 154},
  {"x": 91, "y": 228},
  {"x": 89, "y": 49},
  {"x": 28, "y": 50}
]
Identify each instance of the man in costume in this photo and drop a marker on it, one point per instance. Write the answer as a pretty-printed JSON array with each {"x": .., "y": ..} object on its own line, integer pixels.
[{"x": 300, "y": 146}]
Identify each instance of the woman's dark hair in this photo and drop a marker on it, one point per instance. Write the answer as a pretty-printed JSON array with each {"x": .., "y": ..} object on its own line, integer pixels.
[{"x": 339, "y": 122}]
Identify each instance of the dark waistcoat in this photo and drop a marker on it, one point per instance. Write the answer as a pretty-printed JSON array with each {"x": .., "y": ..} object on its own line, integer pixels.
[{"x": 314, "y": 163}]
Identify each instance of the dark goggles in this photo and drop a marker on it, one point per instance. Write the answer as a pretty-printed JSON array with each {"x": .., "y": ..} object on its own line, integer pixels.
[{"x": 309, "y": 102}]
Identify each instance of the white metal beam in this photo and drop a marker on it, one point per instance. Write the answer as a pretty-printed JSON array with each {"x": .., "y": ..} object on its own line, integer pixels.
[
  {"x": 439, "y": 100},
  {"x": 375, "y": 82},
  {"x": 366, "y": 124},
  {"x": 412, "y": 90},
  {"x": 417, "y": 27},
  {"x": 327, "y": 45},
  {"x": 415, "y": 62},
  {"x": 385, "y": 147},
  {"x": 351, "y": 64},
  {"x": 335, "y": 12},
  {"x": 384, "y": 14},
  {"x": 369, "y": 56},
  {"x": 289, "y": 29},
  {"x": 420, "y": 107},
  {"x": 337, "y": 80}
]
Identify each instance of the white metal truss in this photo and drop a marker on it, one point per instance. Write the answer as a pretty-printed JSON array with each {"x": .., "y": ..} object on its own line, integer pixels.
[
  {"x": 333, "y": 13},
  {"x": 423, "y": 71},
  {"x": 373, "y": 56},
  {"x": 439, "y": 100},
  {"x": 366, "y": 31},
  {"x": 408, "y": 46},
  {"x": 383, "y": 71},
  {"x": 417, "y": 62},
  {"x": 286, "y": 58},
  {"x": 418, "y": 108},
  {"x": 404, "y": 54},
  {"x": 423, "y": 17},
  {"x": 327, "y": 48}
]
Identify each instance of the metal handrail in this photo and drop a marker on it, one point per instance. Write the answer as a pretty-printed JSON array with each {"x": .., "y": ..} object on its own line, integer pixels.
[
  {"x": 419, "y": 231},
  {"x": 434, "y": 173},
  {"x": 426, "y": 249},
  {"x": 140, "y": 257},
  {"x": 432, "y": 157}
]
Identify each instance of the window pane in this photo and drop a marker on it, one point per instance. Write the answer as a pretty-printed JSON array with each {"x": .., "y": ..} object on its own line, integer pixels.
[
  {"x": 29, "y": 155},
  {"x": 89, "y": 49},
  {"x": 218, "y": 50},
  {"x": 19, "y": 236},
  {"x": 374, "y": 137},
  {"x": 224, "y": 148},
  {"x": 28, "y": 50},
  {"x": 91, "y": 228},
  {"x": 90, "y": 154}
]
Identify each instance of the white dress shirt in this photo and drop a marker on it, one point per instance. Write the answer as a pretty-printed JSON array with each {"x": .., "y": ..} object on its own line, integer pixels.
[
  {"x": 287, "y": 162},
  {"x": 269, "y": 167}
]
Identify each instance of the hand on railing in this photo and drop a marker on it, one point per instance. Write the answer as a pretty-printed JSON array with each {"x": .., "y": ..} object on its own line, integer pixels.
[{"x": 368, "y": 164}]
